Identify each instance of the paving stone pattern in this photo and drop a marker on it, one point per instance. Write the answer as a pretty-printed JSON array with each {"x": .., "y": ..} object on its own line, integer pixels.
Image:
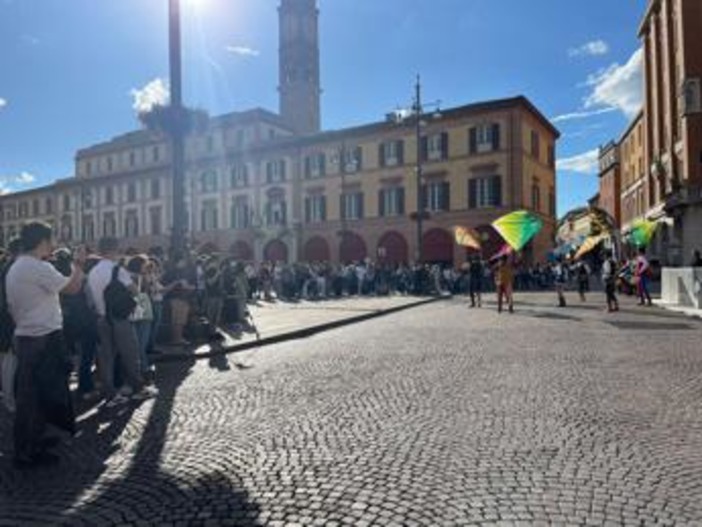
[{"x": 440, "y": 415}]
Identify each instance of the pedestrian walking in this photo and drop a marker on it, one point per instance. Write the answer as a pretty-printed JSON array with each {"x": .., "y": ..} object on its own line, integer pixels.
[
  {"x": 642, "y": 272},
  {"x": 504, "y": 281},
  {"x": 32, "y": 287},
  {"x": 582, "y": 275},
  {"x": 559, "y": 279},
  {"x": 475, "y": 282},
  {"x": 609, "y": 277}
]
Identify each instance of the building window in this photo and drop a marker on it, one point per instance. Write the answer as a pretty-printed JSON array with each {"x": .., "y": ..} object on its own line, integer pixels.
[
  {"x": 276, "y": 212},
  {"x": 239, "y": 175},
  {"x": 315, "y": 209},
  {"x": 352, "y": 160},
  {"x": 552, "y": 202},
  {"x": 535, "y": 196},
  {"x": 391, "y": 202},
  {"x": 155, "y": 189},
  {"x": 352, "y": 206},
  {"x": 131, "y": 193},
  {"x": 88, "y": 228},
  {"x": 435, "y": 147},
  {"x": 315, "y": 166},
  {"x": 484, "y": 138},
  {"x": 208, "y": 181},
  {"x": 109, "y": 164},
  {"x": 109, "y": 196},
  {"x": 24, "y": 210},
  {"x": 109, "y": 224},
  {"x": 552, "y": 156},
  {"x": 132, "y": 159},
  {"x": 156, "y": 154},
  {"x": 275, "y": 171},
  {"x": 66, "y": 202},
  {"x": 131, "y": 224},
  {"x": 88, "y": 168},
  {"x": 35, "y": 208},
  {"x": 209, "y": 216},
  {"x": 155, "y": 216},
  {"x": 49, "y": 205},
  {"x": 210, "y": 143},
  {"x": 437, "y": 196},
  {"x": 391, "y": 153},
  {"x": 535, "y": 145},
  {"x": 485, "y": 192},
  {"x": 240, "y": 214},
  {"x": 87, "y": 199}
]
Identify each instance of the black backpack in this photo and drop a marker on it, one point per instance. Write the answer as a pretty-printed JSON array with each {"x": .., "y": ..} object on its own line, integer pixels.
[
  {"x": 119, "y": 301},
  {"x": 7, "y": 325}
]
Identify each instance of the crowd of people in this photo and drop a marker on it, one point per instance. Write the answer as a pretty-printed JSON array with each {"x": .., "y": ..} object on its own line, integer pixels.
[{"x": 102, "y": 313}]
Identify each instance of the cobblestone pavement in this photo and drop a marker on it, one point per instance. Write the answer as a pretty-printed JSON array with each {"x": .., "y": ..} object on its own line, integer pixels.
[{"x": 440, "y": 415}]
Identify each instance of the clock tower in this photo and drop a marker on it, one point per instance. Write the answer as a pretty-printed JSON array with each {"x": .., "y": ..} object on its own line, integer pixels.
[{"x": 299, "y": 65}]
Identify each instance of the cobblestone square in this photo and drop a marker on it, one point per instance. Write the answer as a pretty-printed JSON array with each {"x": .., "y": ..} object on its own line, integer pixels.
[{"x": 438, "y": 415}]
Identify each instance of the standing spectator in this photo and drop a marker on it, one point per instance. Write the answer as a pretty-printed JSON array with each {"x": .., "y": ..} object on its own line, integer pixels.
[
  {"x": 178, "y": 280},
  {"x": 213, "y": 290},
  {"x": 559, "y": 279},
  {"x": 118, "y": 340},
  {"x": 42, "y": 393},
  {"x": 475, "y": 282},
  {"x": 504, "y": 281},
  {"x": 143, "y": 316},
  {"x": 642, "y": 271},
  {"x": 696, "y": 258},
  {"x": 609, "y": 277},
  {"x": 582, "y": 275}
]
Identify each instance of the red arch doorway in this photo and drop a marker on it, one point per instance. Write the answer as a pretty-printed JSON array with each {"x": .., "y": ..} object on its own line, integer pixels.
[
  {"x": 241, "y": 250},
  {"x": 275, "y": 251},
  {"x": 316, "y": 250},
  {"x": 437, "y": 246},
  {"x": 352, "y": 248},
  {"x": 393, "y": 248}
]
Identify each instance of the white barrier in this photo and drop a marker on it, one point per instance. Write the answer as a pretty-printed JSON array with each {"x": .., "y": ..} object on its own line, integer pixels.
[{"x": 682, "y": 286}]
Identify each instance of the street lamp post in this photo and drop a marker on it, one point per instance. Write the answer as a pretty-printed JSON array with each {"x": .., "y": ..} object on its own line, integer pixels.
[
  {"x": 417, "y": 110},
  {"x": 176, "y": 130}
]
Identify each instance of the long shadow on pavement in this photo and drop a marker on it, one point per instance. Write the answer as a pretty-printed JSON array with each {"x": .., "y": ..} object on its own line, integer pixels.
[{"x": 95, "y": 486}]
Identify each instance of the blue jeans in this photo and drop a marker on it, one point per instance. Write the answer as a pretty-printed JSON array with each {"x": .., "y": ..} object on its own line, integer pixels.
[{"x": 143, "y": 333}]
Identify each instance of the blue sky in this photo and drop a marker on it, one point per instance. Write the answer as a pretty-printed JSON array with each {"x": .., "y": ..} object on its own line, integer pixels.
[{"x": 69, "y": 68}]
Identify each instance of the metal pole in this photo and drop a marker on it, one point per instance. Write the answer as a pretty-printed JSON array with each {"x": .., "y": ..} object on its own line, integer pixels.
[
  {"x": 420, "y": 204},
  {"x": 178, "y": 241}
]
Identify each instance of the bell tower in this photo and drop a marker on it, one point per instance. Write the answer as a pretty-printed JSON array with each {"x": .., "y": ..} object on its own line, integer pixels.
[{"x": 299, "y": 80}]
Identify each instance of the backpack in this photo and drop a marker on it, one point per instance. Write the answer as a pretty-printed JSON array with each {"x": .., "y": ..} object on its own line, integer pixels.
[
  {"x": 7, "y": 324},
  {"x": 119, "y": 301}
]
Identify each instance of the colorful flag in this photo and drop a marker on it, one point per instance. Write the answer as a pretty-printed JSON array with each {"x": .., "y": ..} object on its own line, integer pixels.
[
  {"x": 642, "y": 231},
  {"x": 467, "y": 237},
  {"x": 518, "y": 228},
  {"x": 589, "y": 244}
]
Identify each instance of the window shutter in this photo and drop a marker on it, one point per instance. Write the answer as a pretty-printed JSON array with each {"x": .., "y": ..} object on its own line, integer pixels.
[
  {"x": 495, "y": 136},
  {"x": 444, "y": 145},
  {"x": 446, "y": 196},
  {"x": 308, "y": 168},
  {"x": 424, "y": 198},
  {"x": 268, "y": 213},
  {"x": 342, "y": 207},
  {"x": 322, "y": 164},
  {"x": 359, "y": 157},
  {"x": 284, "y": 208},
  {"x": 424, "y": 148},
  {"x": 497, "y": 190},
  {"x": 401, "y": 200},
  {"x": 381, "y": 154},
  {"x": 472, "y": 193},
  {"x": 308, "y": 210},
  {"x": 323, "y": 208},
  {"x": 282, "y": 170},
  {"x": 359, "y": 197},
  {"x": 381, "y": 203},
  {"x": 473, "y": 141},
  {"x": 269, "y": 172},
  {"x": 245, "y": 171},
  {"x": 401, "y": 152}
]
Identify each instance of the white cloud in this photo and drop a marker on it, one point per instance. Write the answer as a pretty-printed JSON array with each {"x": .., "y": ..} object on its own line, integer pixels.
[
  {"x": 593, "y": 48},
  {"x": 243, "y": 51},
  {"x": 154, "y": 93},
  {"x": 8, "y": 182},
  {"x": 619, "y": 87},
  {"x": 587, "y": 163},
  {"x": 3, "y": 103},
  {"x": 581, "y": 114}
]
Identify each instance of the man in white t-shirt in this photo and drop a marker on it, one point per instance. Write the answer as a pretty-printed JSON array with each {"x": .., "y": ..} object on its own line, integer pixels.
[
  {"x": 32, "y": 287},
  {"x": 118, "y": 340}
]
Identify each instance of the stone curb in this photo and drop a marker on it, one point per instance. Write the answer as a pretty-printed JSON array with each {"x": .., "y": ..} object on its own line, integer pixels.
[
  {"x": 680, "y": 310},
  {"x": 301, "y": 333}
]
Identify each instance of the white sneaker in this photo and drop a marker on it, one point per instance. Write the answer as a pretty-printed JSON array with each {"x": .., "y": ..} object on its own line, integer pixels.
[
  {"x": 148, "y": 392},
  {"x": 117, "y": 400}
]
